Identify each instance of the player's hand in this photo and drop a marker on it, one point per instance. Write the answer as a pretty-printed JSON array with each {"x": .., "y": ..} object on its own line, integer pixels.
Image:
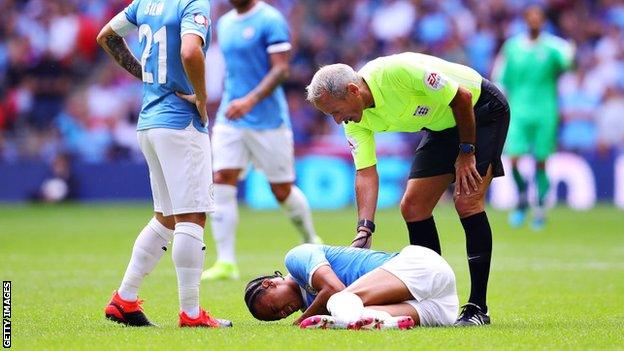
[
  {"x": 239, "y": 107},
  {"x": 199, "y": 103},
  {"x": 298, "y": 321},
  {"x": 363, "y": 239},
  {"x": 467, "y": 178}
]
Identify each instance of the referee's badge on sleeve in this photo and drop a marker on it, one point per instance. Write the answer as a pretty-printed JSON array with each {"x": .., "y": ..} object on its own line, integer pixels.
[{"x": 433, "y": 80}]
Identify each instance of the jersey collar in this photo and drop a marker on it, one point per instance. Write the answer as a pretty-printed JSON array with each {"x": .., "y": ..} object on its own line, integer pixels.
[
  {"x": 527, "y": 39},
  {"x": 249, "y": 13},
  {"x": 372, "y": 86}
]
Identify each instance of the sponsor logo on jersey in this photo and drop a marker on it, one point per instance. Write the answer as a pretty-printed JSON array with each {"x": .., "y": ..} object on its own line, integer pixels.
[
  {"x": 422, "y": 110},
  {"x": 200, "y": 19},
  {"x": 433, "y": 81}
]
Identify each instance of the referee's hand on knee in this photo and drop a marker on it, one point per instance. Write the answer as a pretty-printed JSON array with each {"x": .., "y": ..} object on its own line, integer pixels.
[{"x": 467, "y": 177}]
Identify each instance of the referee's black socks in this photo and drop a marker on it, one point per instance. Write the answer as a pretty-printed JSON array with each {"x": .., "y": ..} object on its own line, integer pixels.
[
  {"x": 424, "y": 233},
  {"x": 479, "y": 249}
]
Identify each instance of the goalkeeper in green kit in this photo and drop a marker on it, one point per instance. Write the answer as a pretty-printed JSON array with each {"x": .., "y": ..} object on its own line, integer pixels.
[{"x": 528, "y": 68}]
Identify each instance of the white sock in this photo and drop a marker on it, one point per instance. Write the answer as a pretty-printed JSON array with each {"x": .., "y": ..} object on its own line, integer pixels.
[
  {"x": 379, "y": 315},
  {"x": 298, "y": 209},
  {"x": 148, "y": 248},
  {"x": 224, "y": 221},
  {"x": 188, "y": 258},
  {"x": 345, "y": 306}
]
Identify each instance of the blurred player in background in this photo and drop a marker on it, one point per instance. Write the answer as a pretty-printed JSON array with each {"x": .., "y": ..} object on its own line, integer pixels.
[
  {"x": 253, "y": 124},
  {"x": 173, "y": 137},
  {"x": 465, "y": 118},
  {"x": 528, "y": 68},
  {"x": 416, "y": 283}
]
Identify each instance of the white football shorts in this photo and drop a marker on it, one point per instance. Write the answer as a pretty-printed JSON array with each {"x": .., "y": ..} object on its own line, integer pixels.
[
  {"x": 430, "y": 280},
  {"x": 180, "y": 169},
  {"x": 270, "y": 150}
]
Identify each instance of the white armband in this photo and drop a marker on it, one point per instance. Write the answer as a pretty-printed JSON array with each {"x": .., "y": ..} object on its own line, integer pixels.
[
  {"x": 121, "y": 25},
  {"x": 280, "y": 47}
]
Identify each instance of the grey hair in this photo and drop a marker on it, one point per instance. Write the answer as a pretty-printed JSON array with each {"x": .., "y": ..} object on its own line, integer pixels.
[{"x": 332, "y": 80}]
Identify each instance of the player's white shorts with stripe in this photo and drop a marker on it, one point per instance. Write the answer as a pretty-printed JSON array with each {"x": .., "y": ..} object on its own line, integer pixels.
[
  {"x": 431, "y": 281},
  {"x": 180, "y": 169},
  {"x": 270, "y": 150}
]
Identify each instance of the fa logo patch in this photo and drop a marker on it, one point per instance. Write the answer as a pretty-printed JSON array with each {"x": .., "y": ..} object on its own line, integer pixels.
[{"x": 421, "y": 111}]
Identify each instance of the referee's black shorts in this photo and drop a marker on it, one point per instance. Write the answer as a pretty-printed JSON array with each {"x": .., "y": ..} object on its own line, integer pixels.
[{"x": 437, "y": 151}]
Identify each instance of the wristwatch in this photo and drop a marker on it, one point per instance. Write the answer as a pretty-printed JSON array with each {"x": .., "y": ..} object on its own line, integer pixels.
[
  {"x": 366, "y": 223},
  {"x": 467, "y": 148}
]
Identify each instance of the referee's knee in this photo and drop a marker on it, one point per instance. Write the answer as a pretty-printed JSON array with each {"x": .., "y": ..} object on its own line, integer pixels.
[
  {"x": 413, "y": 212},
  {"x": 468, "y": 205}
]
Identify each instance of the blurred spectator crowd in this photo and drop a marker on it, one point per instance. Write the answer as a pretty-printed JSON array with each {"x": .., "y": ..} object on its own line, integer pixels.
[{"x": 60, "y": 94}]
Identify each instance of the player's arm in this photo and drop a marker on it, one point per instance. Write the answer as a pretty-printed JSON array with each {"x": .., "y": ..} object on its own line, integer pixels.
[
  {"x": 193, "y": 61},
  {"x": 280, "y": 69},
  {"x": 366, "y": 193},
  {"x": 362, "y": 144},
  {"x": 326, "y": 283},
  {"x": 466, "y": 174},
  {"x": 115, "y": 45}
]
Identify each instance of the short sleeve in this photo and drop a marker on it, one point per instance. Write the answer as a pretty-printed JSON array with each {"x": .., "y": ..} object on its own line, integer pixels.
[
  {"x": 125, "y": 21},
  {"x": 196, "y": 20},
  {"x": 425, "y": 80},
  {"x": 435, "y": 85},
  {"x": 362, "y": 144},
  {"x": 303, "y": 260},
  {"x": 277, "y": 35}
]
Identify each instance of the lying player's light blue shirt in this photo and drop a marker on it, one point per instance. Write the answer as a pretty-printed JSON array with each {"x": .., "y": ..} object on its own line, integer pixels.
[
  {"x": 349, "y": 263},
  {"x": 161, "y": 25},
  {"x": 246, "y": 41}
]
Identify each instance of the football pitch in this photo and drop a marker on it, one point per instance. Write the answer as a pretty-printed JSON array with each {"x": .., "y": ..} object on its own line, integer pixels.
[{"x": 558, "y": 289}]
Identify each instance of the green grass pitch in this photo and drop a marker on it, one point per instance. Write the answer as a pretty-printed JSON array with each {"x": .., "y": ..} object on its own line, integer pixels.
[{"x": 559, "y": 289}]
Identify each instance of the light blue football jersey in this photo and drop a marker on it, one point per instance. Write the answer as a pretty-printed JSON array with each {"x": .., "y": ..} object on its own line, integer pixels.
[
  {"x": 161, "y": 25},
  {"x": 246, "y": 41},
  {"x": 349, "y": 263}
]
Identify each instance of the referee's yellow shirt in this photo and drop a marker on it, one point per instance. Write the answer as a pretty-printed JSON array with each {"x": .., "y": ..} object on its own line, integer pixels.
[{"x": 411, "y": 91}]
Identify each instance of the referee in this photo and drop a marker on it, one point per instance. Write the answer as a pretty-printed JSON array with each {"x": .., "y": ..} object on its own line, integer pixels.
[{"x": 465, "y": 118}]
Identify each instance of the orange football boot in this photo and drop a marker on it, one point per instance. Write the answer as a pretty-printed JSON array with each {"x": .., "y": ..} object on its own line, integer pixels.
[
  {"x": 127, "y": 312},
  {"x": 204, "y": 320}
]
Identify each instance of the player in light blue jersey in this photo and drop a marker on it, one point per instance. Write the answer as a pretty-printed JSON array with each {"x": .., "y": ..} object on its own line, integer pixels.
[
  {"x": 174, "y": 36},
  {"x": 253, "y": 124},
  {"x": 417, "y": 282}
]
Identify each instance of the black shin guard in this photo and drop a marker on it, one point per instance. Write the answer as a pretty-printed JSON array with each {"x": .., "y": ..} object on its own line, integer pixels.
[
  {"x": 424, "y": 233},
  {"x": 479, "y": 249}
]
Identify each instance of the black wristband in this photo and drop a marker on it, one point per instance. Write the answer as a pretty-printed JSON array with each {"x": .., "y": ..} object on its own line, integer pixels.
[{"x": 366, "y": 223}]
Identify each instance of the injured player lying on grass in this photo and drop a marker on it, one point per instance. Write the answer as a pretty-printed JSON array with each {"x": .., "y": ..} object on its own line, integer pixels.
[{"x": 352, "y": 288}]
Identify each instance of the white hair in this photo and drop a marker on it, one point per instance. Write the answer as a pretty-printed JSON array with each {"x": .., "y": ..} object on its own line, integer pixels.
[{"x": 332, "y": 80}]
